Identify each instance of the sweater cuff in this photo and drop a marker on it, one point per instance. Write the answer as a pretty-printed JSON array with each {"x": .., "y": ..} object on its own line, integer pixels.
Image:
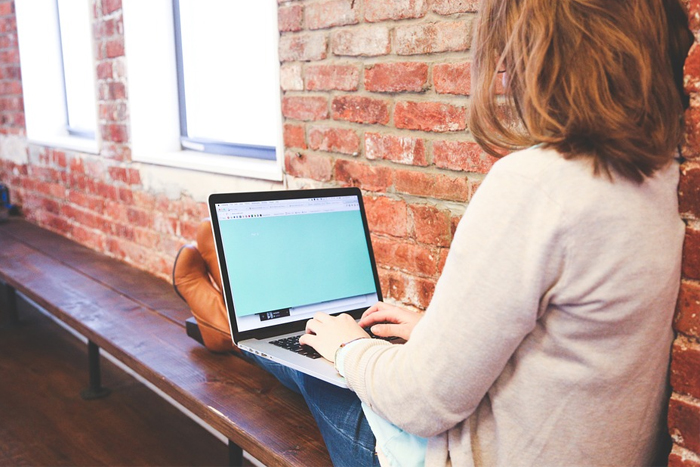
[
  {"x": 356, "y": 359},
  {"x": 340, "y": 356}
]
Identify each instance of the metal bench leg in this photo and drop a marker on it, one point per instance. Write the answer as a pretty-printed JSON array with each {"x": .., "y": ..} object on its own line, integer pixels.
[
  {"x": 235, "y": 454},
  {"x": 95, "y": 390},
  {"x": 9, "y": 315}
]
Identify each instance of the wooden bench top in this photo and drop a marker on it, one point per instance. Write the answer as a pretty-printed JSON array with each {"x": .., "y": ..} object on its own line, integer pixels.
[{"x": 139, "y": 319}]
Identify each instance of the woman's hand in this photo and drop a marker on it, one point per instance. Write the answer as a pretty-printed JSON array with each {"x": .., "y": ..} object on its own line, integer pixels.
[
  {"x": 325, "y": 333},
  {"x": 387, "y": 320}
]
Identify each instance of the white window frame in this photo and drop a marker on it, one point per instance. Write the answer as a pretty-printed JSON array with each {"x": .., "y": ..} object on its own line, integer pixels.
[
  {"x": 44, "y": 91},
  {"x": 153, "y": 99}
]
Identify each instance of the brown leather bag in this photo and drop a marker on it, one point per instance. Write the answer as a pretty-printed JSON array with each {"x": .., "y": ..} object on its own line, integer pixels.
[{"x": 197, "y": 280}]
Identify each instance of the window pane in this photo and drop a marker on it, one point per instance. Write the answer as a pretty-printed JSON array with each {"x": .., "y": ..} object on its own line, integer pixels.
[
  {"x": 78, "y": 70},
  {"x": 229, "y": 54}
]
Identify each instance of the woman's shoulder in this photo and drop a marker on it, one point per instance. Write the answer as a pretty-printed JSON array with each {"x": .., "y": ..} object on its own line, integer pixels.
[{"x": 539, "y": 163}]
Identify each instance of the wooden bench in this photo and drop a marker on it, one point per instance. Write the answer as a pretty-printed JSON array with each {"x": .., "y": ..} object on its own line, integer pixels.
[{"x": 139, "y": 320}]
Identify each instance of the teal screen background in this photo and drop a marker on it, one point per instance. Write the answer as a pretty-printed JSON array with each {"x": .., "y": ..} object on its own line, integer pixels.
[{"x": 287, "y": 261}]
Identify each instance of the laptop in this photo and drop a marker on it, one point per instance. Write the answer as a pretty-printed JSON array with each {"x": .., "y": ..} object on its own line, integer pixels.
[{"x": 286, "y": 255}]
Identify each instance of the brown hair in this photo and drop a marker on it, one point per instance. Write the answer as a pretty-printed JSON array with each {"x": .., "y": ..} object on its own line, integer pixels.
[{"x": 590, "y": 78}]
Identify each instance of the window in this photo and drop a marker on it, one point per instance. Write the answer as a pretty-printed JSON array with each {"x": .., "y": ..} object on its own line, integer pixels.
[
  {"x": 226, "y": 63},
  {"x": 58, "y": 73},
  {"x": 78, "y": 67},
  {"x": 231, "y": 120}
]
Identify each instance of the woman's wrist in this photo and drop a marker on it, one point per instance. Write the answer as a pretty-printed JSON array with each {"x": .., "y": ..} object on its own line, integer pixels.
[{"x": 339, "y": 358}]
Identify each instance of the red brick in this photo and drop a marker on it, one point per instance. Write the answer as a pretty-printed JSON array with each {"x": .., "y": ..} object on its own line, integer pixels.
[
  {"x": 428, "y": 38},
  {"x": 113, "y": 111},
  {"x": 308, "y": 166},
  {"x": 302, "y": 47},
  {"x": 83, "y": 217},
  {"x": 401, "y": 149},
  {"x": 386, "y": 216},
  {"x": 396, "y": 77},
  {"x": 431, "y": 225},
  {"x": 294, "y": 136},
  {"x": 7, "y": 8},
  {"x": 104, "y": 70},
  {"x": 118, "y": 174},
  {"x": 691, "y": 254},
  {"x": 393, "y": 283},
  {"x": 691, "y": 148},
  {"x": 430, "y": 116},
  {"x": 432, "y": 185},
  {"x": 409, "y": 257},
  {"x": 684, "y": 423},
  {"x": 126, "y": 195},
  {"x": 114, "y": 48},
  {"x": 683, "y": 458},
  {"x": 406, "y": 288},
  {"x": 685, "y": 367},
  {"x": 305, "y": 107},
  {"x": 9, "y": 56},
  {"x": 165, "y": 223},
  {"x": 289, "y": 18},
  {"x": 360, "y": 109},
  {"x": 692, "y": 70},
  {"x": 112, "y": 91},
  {"x": 332, "y": 77},
  {"x": 92, "y": 238},
  {"x": 380, "y": 10},
  {"x": 110, "y": 6},
  {"x": 462, "y": 155},
  {"x": 290, "y": 77},
  {"x": 91, "y": 202},
  {"x": 687, "y": 319},
  {"x": 693, "y": 14},
  {"x": 689, "y": 190},
  {"x": 138, "y": 217},
  {"x": 133, "y": 176},
  {"x": 107, "y": 191},
  {"x": 115, "y": 211},
  {"x": 188, "y": 229},
  {"x": 450, "y": 7},
  {"x": 123, "y": 231},
  {"x": 331, "y": 13},
  {"x": 420, "y": 291},
  {"x": 10, "y": 88},
  {"x": 115, "y": 133},
  {"x": 452, "y": 78},
  {"x": 8, "y": 24},
  {"x": 366, "y": 41},
  {"x": 59, "y": 158},
  {"x": 117, "y": 152},
  {"x": 13, "y": 103},
  {"x": 103, "y": 29},
  {"x": 342, "y": 140},
  {"x": 367, "y": 177}
]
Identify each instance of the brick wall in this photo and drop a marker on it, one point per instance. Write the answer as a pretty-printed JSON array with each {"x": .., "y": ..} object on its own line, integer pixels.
[
  {"x": 98, "y": 200},
  {"x": 11, "y": 103},
  {"x": 684, "y": 407},
  {"x": 375, "y": 94}
]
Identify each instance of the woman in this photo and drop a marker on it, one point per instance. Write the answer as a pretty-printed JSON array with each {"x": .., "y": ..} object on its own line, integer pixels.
[{"x": 547, "y": 340}]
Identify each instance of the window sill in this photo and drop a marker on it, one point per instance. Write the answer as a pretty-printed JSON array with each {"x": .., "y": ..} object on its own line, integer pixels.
[
  {"x": 71, "y": 143},
  {"x": 215, "y": 163}
]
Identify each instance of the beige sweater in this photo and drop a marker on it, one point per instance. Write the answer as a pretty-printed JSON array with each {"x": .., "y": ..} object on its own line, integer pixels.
[{"x": 547, "y": 340}]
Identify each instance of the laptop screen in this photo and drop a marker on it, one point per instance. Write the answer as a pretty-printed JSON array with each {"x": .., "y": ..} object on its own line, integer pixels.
[{"x": 287, "y": 259}]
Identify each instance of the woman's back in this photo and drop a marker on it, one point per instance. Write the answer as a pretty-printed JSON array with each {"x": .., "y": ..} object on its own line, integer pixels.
[{"x": 588, "y": 384}]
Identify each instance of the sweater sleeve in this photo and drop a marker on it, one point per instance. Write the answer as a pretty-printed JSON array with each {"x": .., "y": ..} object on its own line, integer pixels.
[{"x": 506, "y": 254}]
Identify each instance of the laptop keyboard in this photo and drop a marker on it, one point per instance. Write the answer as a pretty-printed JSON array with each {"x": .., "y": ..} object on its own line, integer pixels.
[{"x": 292, "y": 343}]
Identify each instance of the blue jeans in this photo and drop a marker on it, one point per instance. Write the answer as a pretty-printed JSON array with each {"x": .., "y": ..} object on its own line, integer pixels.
[{"x": 338, "y": 413}]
